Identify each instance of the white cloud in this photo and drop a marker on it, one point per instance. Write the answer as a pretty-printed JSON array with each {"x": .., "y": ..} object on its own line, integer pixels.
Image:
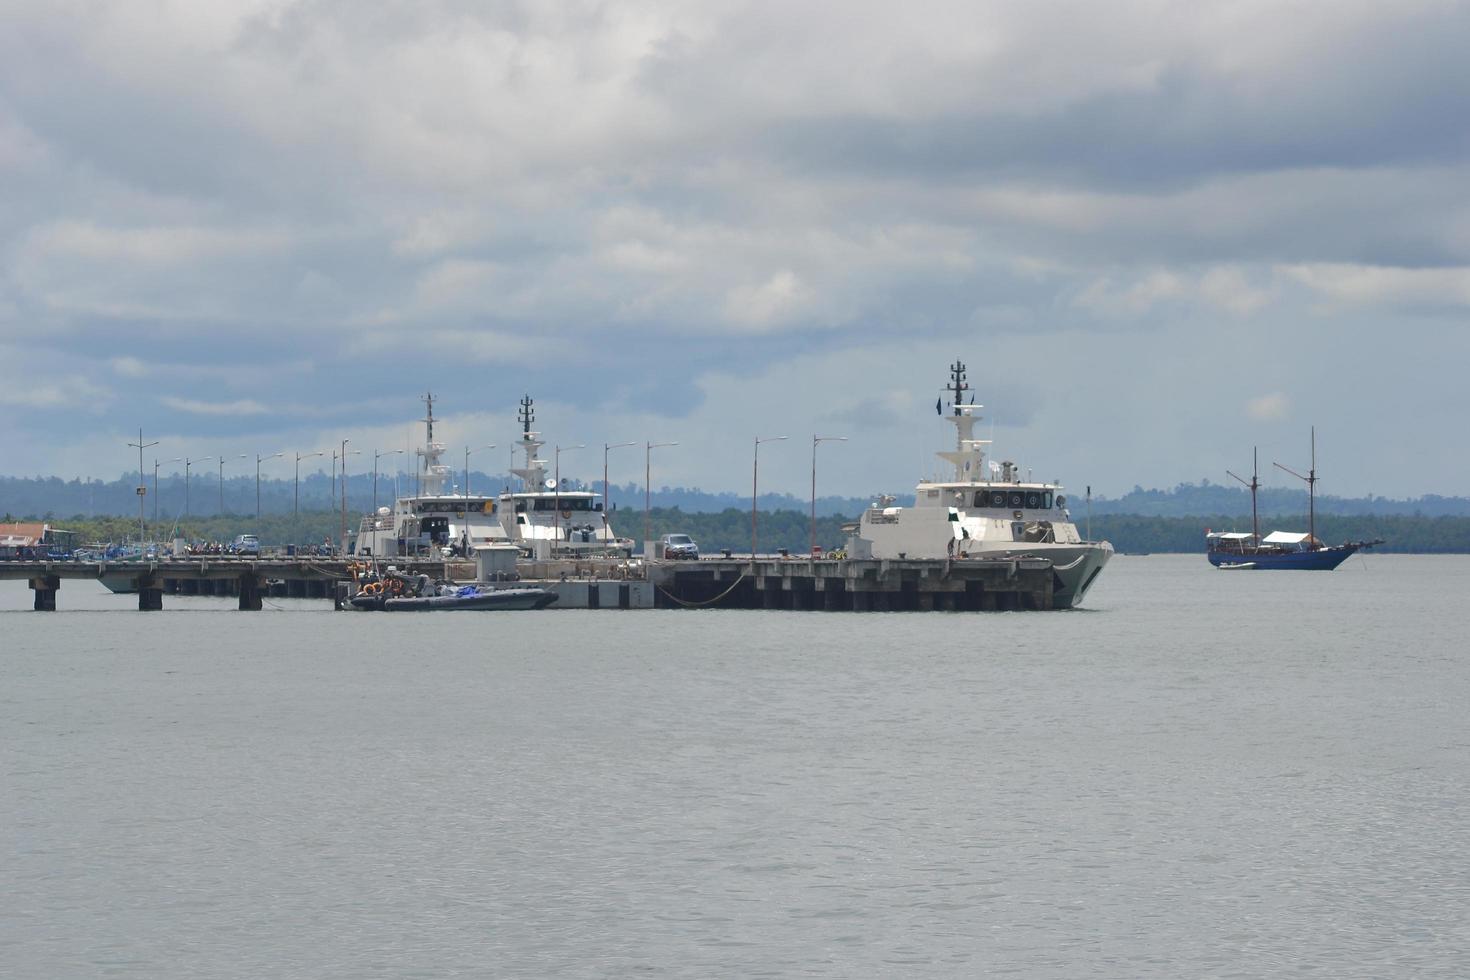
[
  {"x": 1364, "y": 285},
  {"x": 129, "y": 367},
  {"x": 1268, "y": 407},
  {"x": 767, "y": 304},
  {"x": 160, "y": 245},
  {"x": 243, "y": 406},
  {"x": 1109, "y": 297},
  {"x": 63, "y": 394}
]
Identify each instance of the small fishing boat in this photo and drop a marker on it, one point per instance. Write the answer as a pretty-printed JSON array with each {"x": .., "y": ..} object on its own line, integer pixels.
[
  {"x": 466, "y": 597},
  {"x": 1279, "y": 549},
  {"x": 396, "y": 592}
]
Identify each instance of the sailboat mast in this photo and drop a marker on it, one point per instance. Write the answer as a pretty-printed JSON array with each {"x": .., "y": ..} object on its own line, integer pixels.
[
  {"x": 1255, "y": 485},
  {"x": 1312, "y": 491},
  {"x": 1311, "y": 481}
]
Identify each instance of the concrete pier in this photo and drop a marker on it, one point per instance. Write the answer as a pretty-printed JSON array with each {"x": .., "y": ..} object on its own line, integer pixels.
[
  {"x": 766, "y": 582},
  {"x": 250, "y": 580}
]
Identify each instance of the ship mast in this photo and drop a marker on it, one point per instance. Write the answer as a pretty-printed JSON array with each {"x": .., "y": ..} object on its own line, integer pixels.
[
  {"x": 435, "y": 473},
  {"x": 1311, "y": 481},
  {"x": 968, "y": 457},
  {"x": 1254, "y": 485},
  {"x": 533, "y": 474}
]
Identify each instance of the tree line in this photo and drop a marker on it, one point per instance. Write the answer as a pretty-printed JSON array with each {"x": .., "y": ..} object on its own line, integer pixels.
[{"x": 790, "y": 529}]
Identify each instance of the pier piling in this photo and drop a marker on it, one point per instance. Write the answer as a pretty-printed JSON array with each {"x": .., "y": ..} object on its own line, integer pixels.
[{"x": 45, "y": 587}]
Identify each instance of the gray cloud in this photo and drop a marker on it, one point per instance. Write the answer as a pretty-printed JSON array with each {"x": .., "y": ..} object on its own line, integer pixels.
[{"x": 647, "y": 212}]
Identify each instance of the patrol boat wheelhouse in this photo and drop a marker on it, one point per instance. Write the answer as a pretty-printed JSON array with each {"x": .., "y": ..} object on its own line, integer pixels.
[
  {"x": 968, "y": 517},
  {"x": 547, "y": 517},
  {"x": 434, "y": 521}
]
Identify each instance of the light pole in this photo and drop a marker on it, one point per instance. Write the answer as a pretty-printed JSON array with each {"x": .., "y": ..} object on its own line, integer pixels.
[
  {"x": 342, "y": 541},
  {"x": 377, "y": 456},
  {"x": 556, "y": 517},
  {"x": 754, "y": 471},
  {"x": 296, "y": 496},
  {"x": 222, "y": 478},
  {"x": 816, "y": 439},
  {"x": 607, "y": 447},
  {"x": 467, "y": 452},
  {"x": 155, "y": 490},
  {"x": 258, "y": 458},
  {"x": 188, "y": 463},
  {"x": 648, "y": 449},
  {"x": 142, "y": 487}
]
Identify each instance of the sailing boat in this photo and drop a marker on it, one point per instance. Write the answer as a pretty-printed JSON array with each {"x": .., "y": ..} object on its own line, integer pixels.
[{"x": 1279, "y": 549}]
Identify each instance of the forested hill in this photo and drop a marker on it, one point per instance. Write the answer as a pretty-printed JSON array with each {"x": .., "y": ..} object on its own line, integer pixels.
[
  {"x": 1189, "y": 499},
  {"x": 1135, "y": 534},
  {"x": 38, "y": 496}
]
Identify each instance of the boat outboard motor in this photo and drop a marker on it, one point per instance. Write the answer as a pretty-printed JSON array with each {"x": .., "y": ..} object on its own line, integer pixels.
[{"x": 421, "y": 585}]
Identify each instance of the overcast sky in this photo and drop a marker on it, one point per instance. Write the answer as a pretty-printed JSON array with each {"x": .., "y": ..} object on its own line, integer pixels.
[{"x": 1157, "y": 233}]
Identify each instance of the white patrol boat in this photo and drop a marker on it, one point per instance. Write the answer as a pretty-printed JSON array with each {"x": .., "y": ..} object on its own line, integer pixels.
[
  {"x": 547, "y": 518},
  {"x": 970, "y": 518},
  {"x": 435, "y": 521}
]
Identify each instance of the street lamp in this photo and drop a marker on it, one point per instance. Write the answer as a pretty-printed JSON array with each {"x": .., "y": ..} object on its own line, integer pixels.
[
  {"x": 606, "y": 447},
  {"x": 258, "y": 458},
  {"x": 556, "y": 517},
  {"x": 188, "y": 463},
  {"x": 754, "y": 470},
  {"x": 296, "y": 495},
  {"x": 467, "y": 452},
  {"x": 155, "y": 490},
  {"x": 816, "y": 439},
  {"x": 377, "y": 456},
  {"x": 222, "y": 477},
  {"x": 142, "y": 487},
  {"x": 342, "y": 541},
  {"x": 648, "y": 449}
]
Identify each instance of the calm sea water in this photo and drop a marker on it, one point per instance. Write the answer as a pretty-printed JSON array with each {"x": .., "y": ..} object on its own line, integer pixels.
[{"x": 1204, "y": 774}]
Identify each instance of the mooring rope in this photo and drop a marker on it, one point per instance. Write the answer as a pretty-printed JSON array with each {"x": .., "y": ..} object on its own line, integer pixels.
[{"x": 707, "y": 602}]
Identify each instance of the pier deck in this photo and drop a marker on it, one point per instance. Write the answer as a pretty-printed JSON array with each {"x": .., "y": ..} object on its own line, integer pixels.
[
  {"x": 765, "y": 582},
  {"x": 248, "y": 578}
]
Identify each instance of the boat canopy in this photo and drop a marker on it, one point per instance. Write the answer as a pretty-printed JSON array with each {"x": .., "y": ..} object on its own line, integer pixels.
[
  {"x": 1233, "y": 535},
  {"x": 1285, "y": 537}
]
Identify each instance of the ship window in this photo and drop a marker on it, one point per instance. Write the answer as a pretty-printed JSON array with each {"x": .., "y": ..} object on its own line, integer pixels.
[
  {"x": 1033, "y": 499},
  {"x": 980, "y": 499},
  {"x": 521, "y": 508},
  {"x": 1016, "y": 499},
  {"x": 1046, "y": 500},
  {"x": 567, "y": 503},
  {"x": 997, "y": 498}
]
